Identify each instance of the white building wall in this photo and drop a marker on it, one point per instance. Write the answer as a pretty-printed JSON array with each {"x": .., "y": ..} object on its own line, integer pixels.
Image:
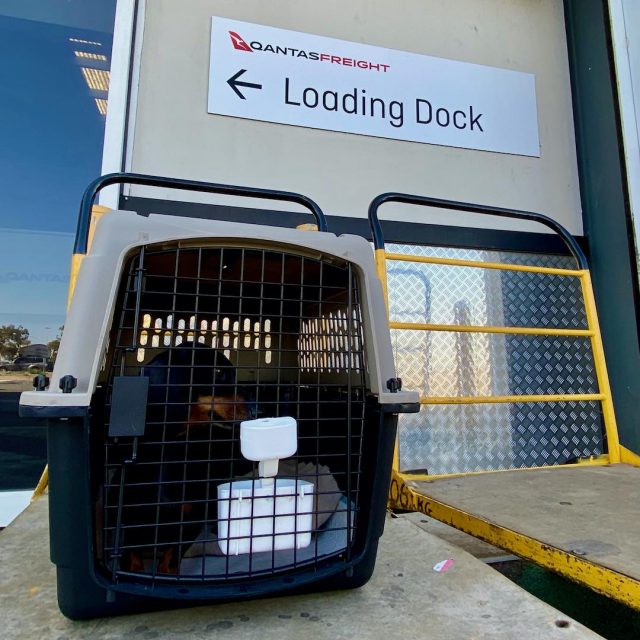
[{"x": 174, "y": 135}]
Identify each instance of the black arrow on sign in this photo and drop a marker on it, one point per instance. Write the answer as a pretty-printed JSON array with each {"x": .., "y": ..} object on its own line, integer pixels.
[{"x": 234, "y": 83}]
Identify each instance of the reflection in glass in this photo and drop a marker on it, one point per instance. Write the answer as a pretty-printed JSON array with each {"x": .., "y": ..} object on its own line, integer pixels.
[{"x": 54, "y": 73}]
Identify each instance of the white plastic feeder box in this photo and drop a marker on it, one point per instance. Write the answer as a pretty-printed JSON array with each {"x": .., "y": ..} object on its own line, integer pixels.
[{"x": 265, "y": 514}]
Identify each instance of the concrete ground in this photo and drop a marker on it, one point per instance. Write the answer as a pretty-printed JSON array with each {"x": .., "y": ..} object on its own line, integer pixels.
[
  {"x": 405, "y": 599},
  {"x": 574, "y": 508},
  {"x": 477, "y": 548}
]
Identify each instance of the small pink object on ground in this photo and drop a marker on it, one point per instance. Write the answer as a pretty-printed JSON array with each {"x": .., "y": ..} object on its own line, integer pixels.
[{"x": 443, "y": 566}]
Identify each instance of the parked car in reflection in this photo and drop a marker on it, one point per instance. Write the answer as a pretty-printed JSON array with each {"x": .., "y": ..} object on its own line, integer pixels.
[{"x": 32, "y": 364}]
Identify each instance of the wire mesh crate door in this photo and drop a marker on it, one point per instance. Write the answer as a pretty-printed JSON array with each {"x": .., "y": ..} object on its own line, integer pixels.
[{"x": 224, "y": 335}]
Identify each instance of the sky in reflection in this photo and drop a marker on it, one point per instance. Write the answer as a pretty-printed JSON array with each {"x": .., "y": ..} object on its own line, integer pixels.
[{"x": 52, "y": 133}]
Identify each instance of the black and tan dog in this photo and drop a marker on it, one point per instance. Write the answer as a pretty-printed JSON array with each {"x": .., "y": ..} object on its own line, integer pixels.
[{"x": 191, "y": 445}]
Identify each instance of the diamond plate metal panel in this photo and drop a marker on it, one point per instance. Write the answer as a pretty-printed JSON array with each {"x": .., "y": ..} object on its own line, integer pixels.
[
  {"x": 460, "y": 439},
  {"x": 455, "y": 438},
  {"x": 525, "y": 299},
  {"x": 549, "y": 364},
  {"x": 484, "y": 437},
  {"x": 533, "y": 259},
  {"x": 545, "y": 434},
  {"x": 463, "y": 364},
  {"x": 539, "y": 300},
  {"x": 447, "y": 285}
]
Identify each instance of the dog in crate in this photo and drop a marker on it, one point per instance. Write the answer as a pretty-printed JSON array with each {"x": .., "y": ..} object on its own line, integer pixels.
[{"x": 167, "y": 488}]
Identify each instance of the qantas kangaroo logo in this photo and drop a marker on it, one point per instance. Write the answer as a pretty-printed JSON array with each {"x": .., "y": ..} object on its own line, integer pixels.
[{"x": 238, "y": 42}]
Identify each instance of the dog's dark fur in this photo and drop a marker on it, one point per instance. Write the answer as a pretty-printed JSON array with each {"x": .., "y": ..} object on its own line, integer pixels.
[{"x": 191, "y": 444}]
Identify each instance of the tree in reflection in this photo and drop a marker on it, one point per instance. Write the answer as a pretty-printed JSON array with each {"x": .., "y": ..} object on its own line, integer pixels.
[{"x": 12, "y": 340}]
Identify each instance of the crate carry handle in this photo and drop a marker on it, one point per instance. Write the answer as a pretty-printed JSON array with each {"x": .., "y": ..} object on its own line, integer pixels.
[
  {"x": 405, "y": 198},
  {"x": 84, "y": 217}
]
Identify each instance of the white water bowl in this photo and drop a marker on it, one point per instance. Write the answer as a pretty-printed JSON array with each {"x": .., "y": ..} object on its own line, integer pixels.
[{"x": 273, "y": 516}]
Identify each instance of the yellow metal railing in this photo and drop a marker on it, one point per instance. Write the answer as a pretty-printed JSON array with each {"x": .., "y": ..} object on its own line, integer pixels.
[
  {"x": 592, "y": 332},
  {"x": 603, "y": 396},
  {"x": 408, "y": 490}
]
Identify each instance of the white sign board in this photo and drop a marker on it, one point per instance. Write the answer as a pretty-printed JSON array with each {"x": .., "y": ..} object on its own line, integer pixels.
[{"x": 293, "y": 78}]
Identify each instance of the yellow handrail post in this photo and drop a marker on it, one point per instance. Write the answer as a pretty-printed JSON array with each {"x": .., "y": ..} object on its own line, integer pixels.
[
  {"x": 608, "y": 414},
  {"x": 97, "y": 211}
]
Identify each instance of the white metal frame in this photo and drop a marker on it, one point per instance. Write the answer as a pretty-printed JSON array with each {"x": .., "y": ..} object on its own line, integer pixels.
[
  {"x": 123, "y": 93},
  {"x": 626, "y": 40}
]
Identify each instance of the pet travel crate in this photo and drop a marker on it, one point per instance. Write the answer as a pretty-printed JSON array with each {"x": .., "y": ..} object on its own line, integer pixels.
[{"x": 222, "y": 410}]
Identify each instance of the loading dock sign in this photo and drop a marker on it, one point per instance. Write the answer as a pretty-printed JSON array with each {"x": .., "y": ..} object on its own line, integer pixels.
[{"x": 293, "y": 78}]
